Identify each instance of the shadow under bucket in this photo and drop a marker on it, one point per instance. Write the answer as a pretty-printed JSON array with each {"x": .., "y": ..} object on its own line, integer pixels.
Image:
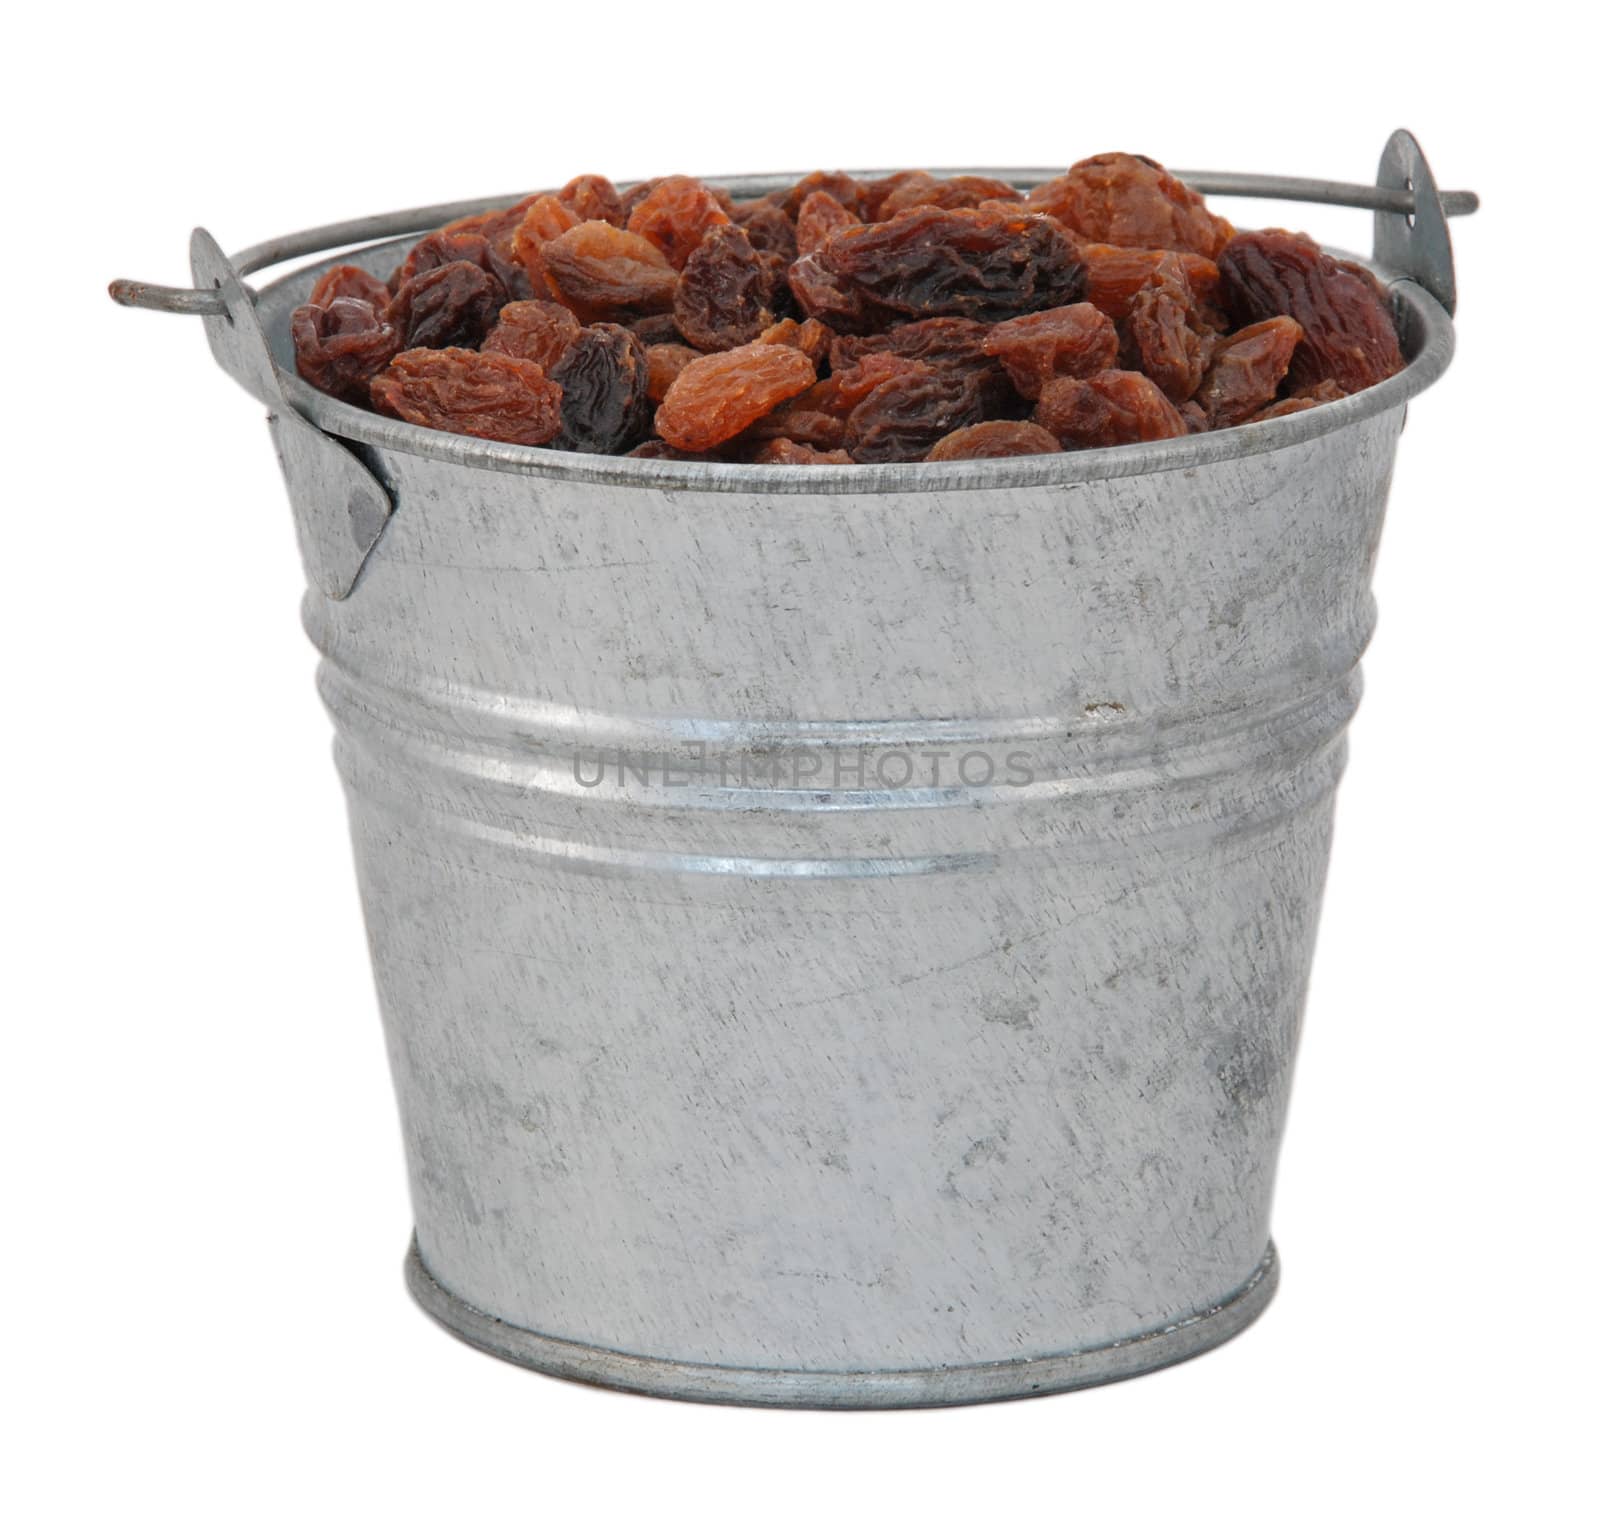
[{"x": 841, "y": 932}]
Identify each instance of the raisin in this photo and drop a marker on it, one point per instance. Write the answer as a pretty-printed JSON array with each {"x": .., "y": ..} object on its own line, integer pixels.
[
  {"x": 821, "y": 214},
  {"x": 851, "y": 385},
  {"x": 1115, "y": 408},
  {"x": 901, "y": 419},
  {"x": 769, "y": 228},
  {"x": 784, "y": 452},
  {"x": 719, "y": 395},
  {"x": 1349, "y": 335},
  {"x": 994, "y": 437},
  {"x": 812, "y": 337},
  {"x": 929, "y": 263},
  {"x": 874, "y": 193},
  {"x": 340, "y": 347},
  {"x": 1164, "y": 336},
  {"x": 1113, "y": 275},
  {"x": 919, "y": 189},
  {"x": 601, "y": 272},
  {"x": 665, "y": 362},
  {"x": 1246, "y": 371},
  {"x": 545, "y": 219},
  {"x": 443, "y": 248},
  {"x": 495, "y": 397},
  {"x": 849, "y": 192},
  {"x": 722, "y": 294},
  {"x": 656, "y": 329},
  {"x": 1075, "y": 341},
  {"x": 592, "y": 199},
  {"x": 676, "y": 214},
  {"x": 1131, "y": 200},
  {"x": 604, "y": 377},
  {"x": 449, "y": 305},
  {"x": 498, "y": 230},
  {"x": 349, "y": 281},
  {"x": 533, "y": 331}
]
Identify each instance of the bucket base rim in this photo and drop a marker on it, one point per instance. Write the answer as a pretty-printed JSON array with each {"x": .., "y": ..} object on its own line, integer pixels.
[{"x": 846, "y": 1390}]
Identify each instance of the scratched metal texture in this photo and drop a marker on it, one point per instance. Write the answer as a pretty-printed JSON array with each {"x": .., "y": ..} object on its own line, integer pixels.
[{"x": 857, "y": 1079}]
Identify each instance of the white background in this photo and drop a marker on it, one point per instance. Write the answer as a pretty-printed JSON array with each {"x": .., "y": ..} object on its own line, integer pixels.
[{"x": 205, "y": 1208}]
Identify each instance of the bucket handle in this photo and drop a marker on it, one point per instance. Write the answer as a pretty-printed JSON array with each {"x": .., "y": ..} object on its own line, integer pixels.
[{"x": 340, "y": 507}]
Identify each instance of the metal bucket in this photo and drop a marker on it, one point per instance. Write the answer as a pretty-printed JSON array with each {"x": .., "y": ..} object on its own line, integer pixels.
[{"x": 841, "y": 933}]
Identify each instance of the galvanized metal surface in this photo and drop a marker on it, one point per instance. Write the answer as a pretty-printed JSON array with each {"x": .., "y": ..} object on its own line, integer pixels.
[{"x": 838, "y": 1090}]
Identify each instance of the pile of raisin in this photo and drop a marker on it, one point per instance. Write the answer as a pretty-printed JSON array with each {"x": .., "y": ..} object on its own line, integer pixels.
[{"x": 904, "y": 319}]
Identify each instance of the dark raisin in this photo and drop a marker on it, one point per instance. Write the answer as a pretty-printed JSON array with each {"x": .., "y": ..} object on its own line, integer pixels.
[
  {"x": 449, "y": 305},
  {"x": 929, "y": 263},
  {"x": 722, "y": 294},
  {"x": 604, "y": 376},
  {"x": 902, "y": 418},
  {"x": 1349, "y": 334}
]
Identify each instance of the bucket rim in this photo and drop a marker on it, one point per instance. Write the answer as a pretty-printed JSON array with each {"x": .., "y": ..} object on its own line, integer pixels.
[{"x": 1427, "y": 336}]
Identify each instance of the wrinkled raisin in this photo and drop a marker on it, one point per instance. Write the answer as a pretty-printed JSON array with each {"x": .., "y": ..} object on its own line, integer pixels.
[
  {"x": 1164, "y": 336},
  {"x": 449, "y": 305},
  {"x": 1115, "y": 408},
  {"x": 592, "y": 199},
  {"x": 604, "y": 377},
  {"x": 902, "y": 418},
  {"x": 812, "y": 337},
  {"x": 994, "y": 437},
  {"x": 533, "y": 331},
  {"x": 656, "y": 329},
  {"x": 675, "y": 216},
  {"x": 340, "y": 347},
  {"x": 1075, "y": 341},
  {"x": 1131, "y": 200},
  {"x": 719, "y": 395},
  {"x": 920, "y": 189},
  {"x": 929, "y": 263},
  {"x": 1349, "y": 335},
  {"x": 821, "y": 214},
  {"x": 1246, "y": 371},
  {"x": 723, "y": 292},
  {"x": 349, "y": 281},
  {"x": 954, "y": 343},
  {"x": 495, "y": 397},
  {"x": 602, "y": 272},
  {"x": 769, "y": 228},
  {"x": 844, "y": 189},
  {"x": 1113, "y": 275},
  {"x": 545, "y": 219},
  {"x": 444, "y": 248}
]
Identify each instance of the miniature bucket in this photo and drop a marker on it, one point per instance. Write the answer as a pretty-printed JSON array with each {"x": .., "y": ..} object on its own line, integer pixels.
[{"x": 841, "y": 932}]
